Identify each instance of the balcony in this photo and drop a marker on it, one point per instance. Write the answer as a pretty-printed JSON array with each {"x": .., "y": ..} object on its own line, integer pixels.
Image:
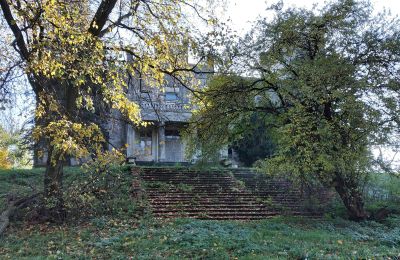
[
  {"x": 167, "y": 107},
  {"x": 173, "y": 112}
]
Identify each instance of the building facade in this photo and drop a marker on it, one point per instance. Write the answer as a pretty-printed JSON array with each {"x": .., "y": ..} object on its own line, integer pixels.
[{"x": 167, "y": 111}]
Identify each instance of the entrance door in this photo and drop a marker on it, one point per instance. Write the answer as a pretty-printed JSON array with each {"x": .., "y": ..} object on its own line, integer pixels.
[{"x": 174, "y": 151}]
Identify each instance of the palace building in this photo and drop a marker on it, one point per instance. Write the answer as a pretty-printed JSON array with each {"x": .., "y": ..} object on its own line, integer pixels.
[{"x": 167, "y": 109}]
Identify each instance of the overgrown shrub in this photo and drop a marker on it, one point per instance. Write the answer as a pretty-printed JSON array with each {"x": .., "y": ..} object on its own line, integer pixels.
[{"x": 102, "y": 187}]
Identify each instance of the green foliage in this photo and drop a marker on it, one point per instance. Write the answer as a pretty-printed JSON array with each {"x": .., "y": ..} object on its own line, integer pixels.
[
  {"x": 218, "y": 122},
  {"x": 184, "y": 187},
  {"x": 162, "y": 186},
  {"x": 325, "y": 80},
  {"x": 383, "y": 187},
  {"x": 256, "y": 142},
  {"x": 14, "y": 150},
  {"x": 382, "y": 190}
]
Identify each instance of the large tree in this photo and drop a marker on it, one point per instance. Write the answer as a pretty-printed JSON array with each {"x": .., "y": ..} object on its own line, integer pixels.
[
  {"x": 73, "y": 54},
  {"x": 328, "y": 79}
]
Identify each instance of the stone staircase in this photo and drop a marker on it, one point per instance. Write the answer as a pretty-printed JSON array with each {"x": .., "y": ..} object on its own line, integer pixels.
[{"x": 219, "y": 194}]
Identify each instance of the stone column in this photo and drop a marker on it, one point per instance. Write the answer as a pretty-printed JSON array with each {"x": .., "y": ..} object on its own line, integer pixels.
[
  {"x": 161, "y": 142},
  {"x": 130, "y": 141}
]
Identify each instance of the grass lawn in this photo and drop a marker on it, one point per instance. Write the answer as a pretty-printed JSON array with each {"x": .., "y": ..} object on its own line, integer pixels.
[{"x": 122, "y": 233}]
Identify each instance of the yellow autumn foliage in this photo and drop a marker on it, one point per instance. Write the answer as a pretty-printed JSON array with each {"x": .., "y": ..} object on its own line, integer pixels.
[
  {"x": 79, "y": 73},
  {"x": 4, "y": 161}
]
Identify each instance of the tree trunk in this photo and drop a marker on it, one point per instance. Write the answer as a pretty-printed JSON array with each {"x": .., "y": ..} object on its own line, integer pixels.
[
  {"x": 351, "y": 197},
  {"x": 53, "y": 190}
]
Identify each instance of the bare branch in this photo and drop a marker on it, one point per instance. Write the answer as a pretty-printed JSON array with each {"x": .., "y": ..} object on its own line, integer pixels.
[
  {"x": 12, "y": 23},
  {"x": 119, "y": 21},
  {"x": 101, "y": 16}
]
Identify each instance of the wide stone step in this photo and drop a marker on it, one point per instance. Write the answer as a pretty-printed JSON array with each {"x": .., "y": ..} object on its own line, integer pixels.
[
  {"x": 194, "y": 180},
  {"x": 219, "y": 190},
  {"x": 220, "y": 218},
  {"x": 233, "y": 204},
  {"x": 172, "y": 188},
  {"x": 183, "y": 174},
  {"x": 193, "y": 190},
  {"x": 210, "y": 208},
  {"x": 228, "y": 181},
  {"x": 217, "y": 195},
  {"x": 261, "y": 177},
  {"x": 166, "y": 186},
  {"x": 224, "y": 215},
  {"x": 212, "y": 191},
  {"x": 211, "y": 205},
  {"x": 223, "y": 198},
  {"x": 156, "y": 184},
  {"x": 200, "y": 211},
  {"x": 189, "y": 175},
  {"x": 225, "y": 201},
  {"x": 218, "y": 213},
  {"x": 160, "y": 202}
]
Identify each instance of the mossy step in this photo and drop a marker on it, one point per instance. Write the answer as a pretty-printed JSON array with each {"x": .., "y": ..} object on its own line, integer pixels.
[
  {"x": 221, "y": 205},
  {"x": 233, "y": 208},
  {"x": 148, "y": 179},
  {"x": 215, "y": 195},
  {"x": 224, "y": 201},
  {"x": 225, "y": 215}
]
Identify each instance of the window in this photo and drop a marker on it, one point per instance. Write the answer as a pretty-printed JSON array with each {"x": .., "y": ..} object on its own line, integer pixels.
[{"x": 171, "y": 96}]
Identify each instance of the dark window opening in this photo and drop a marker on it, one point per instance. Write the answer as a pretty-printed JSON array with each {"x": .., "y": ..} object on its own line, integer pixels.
[{"x": 172, "y": 133}]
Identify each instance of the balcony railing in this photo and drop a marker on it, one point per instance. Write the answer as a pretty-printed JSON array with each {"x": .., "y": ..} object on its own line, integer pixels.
[{"x": 174, "y": 107}]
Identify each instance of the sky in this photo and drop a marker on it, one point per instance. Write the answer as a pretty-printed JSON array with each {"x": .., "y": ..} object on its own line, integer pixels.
[{"x": 243, "y": 12}]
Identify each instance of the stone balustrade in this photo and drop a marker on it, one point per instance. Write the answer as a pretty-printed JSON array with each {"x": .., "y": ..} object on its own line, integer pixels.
[{"x": 166, "y": 106}]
